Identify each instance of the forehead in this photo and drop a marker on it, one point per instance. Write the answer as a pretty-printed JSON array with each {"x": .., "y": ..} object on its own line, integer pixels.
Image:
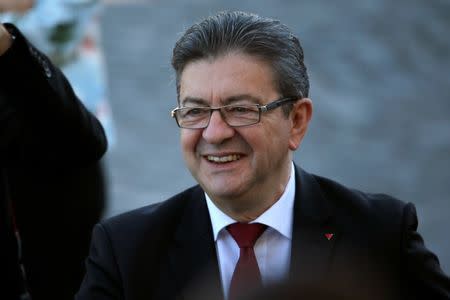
[{"x": 216, "y": 79}]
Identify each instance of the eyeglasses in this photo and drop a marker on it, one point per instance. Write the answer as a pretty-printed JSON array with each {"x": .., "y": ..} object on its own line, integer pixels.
[{"x": 235, "y": 115}]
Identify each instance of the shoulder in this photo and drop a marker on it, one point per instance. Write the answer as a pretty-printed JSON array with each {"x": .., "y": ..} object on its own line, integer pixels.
[
  {"x": 159, "y": 217},
  {"x": 374, "y": 219},
  {"x": 343, "y": 195},
  {"x": 373, "y": 209}
]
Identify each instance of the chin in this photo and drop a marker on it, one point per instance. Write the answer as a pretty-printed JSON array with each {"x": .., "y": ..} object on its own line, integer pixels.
[{"x": 224, "y": 192}]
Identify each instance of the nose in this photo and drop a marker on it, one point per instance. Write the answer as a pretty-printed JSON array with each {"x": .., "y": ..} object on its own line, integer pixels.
[{"x": 218, "y": 130}]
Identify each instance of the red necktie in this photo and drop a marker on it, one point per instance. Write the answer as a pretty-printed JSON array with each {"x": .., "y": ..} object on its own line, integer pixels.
[{"x": 246, "y": 275}]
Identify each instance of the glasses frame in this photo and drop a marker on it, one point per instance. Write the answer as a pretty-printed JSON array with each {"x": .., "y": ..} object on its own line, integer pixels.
[{"x": 261, "y": 109}]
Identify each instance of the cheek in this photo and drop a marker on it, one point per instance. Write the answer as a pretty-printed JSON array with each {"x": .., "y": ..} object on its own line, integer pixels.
[
  {"x": 189, "y": 140},
  {"x": 273, "y": 142}
]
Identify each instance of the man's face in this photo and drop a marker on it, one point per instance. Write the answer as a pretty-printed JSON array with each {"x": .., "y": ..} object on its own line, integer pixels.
[{"x": 235, "y": 164}]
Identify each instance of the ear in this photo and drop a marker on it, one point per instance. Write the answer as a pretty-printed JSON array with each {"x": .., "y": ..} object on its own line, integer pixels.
[{"x": 300, "y": 116}]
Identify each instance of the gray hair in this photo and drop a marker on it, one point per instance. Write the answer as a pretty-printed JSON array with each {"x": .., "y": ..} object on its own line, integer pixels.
[{"x": 251, "y": 34}]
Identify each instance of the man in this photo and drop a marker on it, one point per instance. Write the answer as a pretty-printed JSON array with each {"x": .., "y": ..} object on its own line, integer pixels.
[
  {"x": 243, "y": 108},
  {"x": 45, "y": 134}
]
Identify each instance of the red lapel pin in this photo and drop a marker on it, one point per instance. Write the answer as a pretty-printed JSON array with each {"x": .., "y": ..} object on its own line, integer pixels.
[{"x": 329, "y": 236}]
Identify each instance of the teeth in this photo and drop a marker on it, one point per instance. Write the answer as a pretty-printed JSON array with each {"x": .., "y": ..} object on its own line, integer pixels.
[{"x": 223, "y": 159}]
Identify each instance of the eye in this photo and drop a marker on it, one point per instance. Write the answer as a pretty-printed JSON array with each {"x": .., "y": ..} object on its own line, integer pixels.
[
  {"x": 237, "y": 109},
  {"x": 193, "y": 112},
  {"x": 242, "y": 109}
]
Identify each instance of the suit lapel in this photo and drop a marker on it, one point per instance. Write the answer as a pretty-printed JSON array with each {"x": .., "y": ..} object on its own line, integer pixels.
[
  {"x": 314, "y": 232},
  {"x": 193, "y": 258}
]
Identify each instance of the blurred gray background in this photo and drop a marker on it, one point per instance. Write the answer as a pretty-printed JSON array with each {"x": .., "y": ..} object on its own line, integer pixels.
[{"x": 380, "y": 83}]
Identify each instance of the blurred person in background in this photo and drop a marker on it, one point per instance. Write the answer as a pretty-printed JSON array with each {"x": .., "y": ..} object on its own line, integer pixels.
[
  {"x": 67, "y": 31},
  {"x": 45, "y": 133},
  {"x": 256, "y": 218}
]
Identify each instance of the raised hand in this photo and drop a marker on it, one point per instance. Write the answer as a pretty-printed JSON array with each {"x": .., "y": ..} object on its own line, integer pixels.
[{"x": 5, "y": 39}]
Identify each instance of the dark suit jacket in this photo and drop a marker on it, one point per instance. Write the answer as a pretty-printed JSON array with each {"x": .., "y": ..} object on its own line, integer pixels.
[
  {"x": 46, "y": 137},
  {"x": 166, "y": 250}
]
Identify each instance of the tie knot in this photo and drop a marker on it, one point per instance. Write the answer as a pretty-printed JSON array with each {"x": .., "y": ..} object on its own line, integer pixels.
[{"x": 246, "y": 234}]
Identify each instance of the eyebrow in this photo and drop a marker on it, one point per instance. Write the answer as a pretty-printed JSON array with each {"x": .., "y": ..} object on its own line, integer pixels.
[
  {"x": 236, "y": 98},
  {"x": 227, "y": 101},
  {"x": 194, "y": 100}
]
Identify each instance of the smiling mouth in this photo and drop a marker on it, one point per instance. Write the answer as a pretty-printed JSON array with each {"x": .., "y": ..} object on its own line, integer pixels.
[{"x": 223, "y": 159}]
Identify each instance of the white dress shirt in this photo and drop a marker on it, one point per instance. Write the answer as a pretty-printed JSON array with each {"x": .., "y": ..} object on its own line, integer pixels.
[{"x": 272, "y": 249}]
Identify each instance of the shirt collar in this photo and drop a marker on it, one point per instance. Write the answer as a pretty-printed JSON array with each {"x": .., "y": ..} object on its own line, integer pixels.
[{"x": 279, "y": 216}]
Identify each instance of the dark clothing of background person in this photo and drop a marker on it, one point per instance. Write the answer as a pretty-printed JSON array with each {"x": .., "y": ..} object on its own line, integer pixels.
[{"x": 47, "y": 137}]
